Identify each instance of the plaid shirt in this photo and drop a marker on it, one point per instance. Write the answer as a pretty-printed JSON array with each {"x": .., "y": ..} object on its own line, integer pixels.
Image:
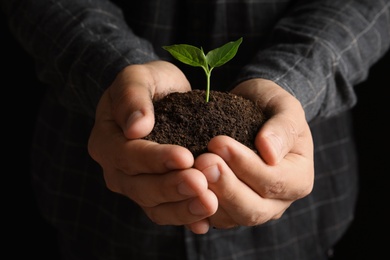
[{"x": 317, "y": 50}]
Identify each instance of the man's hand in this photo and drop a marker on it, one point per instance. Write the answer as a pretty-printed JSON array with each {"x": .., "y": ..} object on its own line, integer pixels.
[
  {"x": 159, "y": 178},
  {"x": 253, "y": 189}
]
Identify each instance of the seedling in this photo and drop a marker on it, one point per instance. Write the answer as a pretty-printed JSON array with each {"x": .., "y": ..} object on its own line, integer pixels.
[{"x": 196, "y": 57}]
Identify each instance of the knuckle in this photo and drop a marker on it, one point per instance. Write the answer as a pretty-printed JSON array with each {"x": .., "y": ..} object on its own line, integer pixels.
[
  {"x": 292, "y": 131},
  {"x": 258, "y": 217},
  {"x": 275, "y": 189}
]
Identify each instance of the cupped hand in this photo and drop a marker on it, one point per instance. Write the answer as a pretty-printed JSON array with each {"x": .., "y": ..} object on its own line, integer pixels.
[
  {"x": 159, "y": 178},
  {"x": 255, "y": 188}
]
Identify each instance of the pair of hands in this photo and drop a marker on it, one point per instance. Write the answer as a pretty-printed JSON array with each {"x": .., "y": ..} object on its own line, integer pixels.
[{"x": 228, "y": 186}]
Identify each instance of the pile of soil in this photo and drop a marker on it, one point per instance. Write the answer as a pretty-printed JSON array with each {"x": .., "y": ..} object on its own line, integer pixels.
[{"x": 186, "y": 119}]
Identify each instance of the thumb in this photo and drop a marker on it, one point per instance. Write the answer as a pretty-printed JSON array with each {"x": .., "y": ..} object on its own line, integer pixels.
[
  {"x": 131, "y": 99},
  {"x": 133, "y": 90},
  {"x": 133, "y": 111}
]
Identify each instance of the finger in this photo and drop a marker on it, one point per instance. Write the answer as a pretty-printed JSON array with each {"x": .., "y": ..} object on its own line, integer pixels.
[
  {"x": 291, "y": 179},
  {"x": 200, "y": 227},
  {"x": 108, "y": 146},
  {"x": 280, "y": 133},
  {"x": 135, "y": 87},
  {"x": 132, "y": 105},
  {"x": 143, "y": 156},
  {"x": 223, "y": 219},
  {"x": 185, "y": 212},
  {"x": 239, "y": 204},
  {"x": 150, "y": 190}
]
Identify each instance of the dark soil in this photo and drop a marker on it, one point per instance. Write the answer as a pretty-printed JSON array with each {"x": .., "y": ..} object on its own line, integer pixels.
[{"x": 186, "y": 119}]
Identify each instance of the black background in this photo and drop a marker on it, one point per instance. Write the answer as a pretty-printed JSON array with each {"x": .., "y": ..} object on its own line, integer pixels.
[{"x": 27, "y": 234}]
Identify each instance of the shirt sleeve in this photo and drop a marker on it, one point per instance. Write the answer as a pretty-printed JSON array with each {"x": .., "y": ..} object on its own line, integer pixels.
[
  {"x": 321, "y": 49},
  {"x": 78, "y": 46}
]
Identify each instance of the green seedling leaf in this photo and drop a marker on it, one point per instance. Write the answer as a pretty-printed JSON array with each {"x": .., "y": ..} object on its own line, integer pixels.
[
  {"x": 187, "y": 54},
  {"x": 196, "y": 57},
  {"x": 221, "y": 55}
]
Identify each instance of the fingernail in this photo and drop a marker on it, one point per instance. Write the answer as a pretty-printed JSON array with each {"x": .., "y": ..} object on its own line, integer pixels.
[
  {"x": 197, "y": 208},
  {"x": 133, "y": 117},
  {"x": 184, "y": 189},
  {"x": 212, "y": 173}
]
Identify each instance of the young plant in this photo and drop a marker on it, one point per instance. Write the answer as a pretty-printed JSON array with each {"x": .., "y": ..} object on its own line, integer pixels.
[{"x": 196, "y": 57}]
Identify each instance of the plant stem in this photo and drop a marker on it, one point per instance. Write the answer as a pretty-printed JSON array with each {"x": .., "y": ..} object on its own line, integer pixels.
[
  {"x": 208, "y": 76},
  {"x": 208, "y": 88}
]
